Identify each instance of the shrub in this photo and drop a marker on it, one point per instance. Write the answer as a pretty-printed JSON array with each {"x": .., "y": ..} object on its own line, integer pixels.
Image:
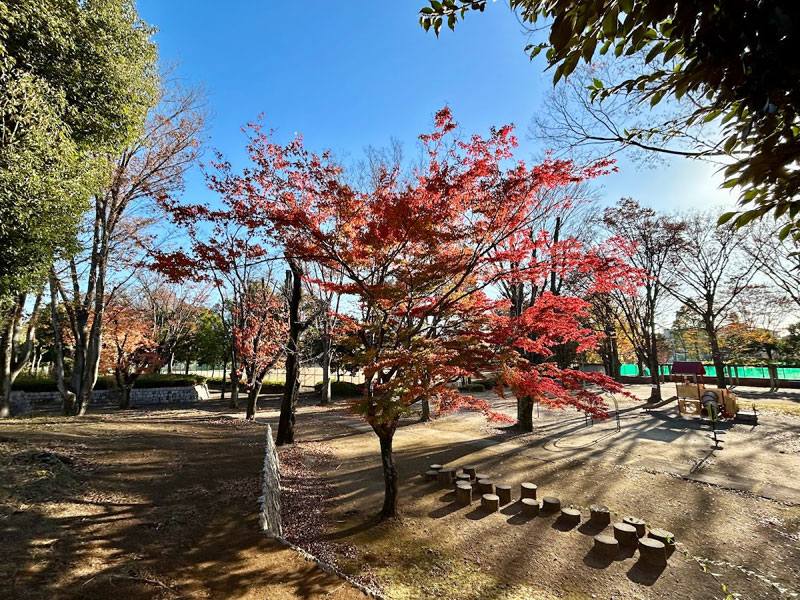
[
  {"x": 342, "y": 388},
  {"x": 471, "y": 387},
  {"x": 268, "y": 387},
  {"x": 488, "y": 383},
  {"x": 157, "y": 380},
  {"x": 30, "y": 383},
  {"x": 272, "y": 387}
]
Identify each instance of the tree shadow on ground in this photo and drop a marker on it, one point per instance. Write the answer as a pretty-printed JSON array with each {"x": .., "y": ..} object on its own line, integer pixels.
[
  {"x": 169, "y": 510},
  {"x": 595, "y": 560},
  {"x": 443, "y": 511},
  {"x": 476, "y": 514},
  {"x": 644, "y": 574},
  {"x": 512, "y": 508}
]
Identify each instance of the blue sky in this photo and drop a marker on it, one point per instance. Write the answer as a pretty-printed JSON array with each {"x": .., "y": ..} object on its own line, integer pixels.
[{"x": 350, "y": 74}]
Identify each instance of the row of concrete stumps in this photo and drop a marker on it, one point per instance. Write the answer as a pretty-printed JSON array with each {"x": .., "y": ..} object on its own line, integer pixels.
[{"x": 655, "y": 546}]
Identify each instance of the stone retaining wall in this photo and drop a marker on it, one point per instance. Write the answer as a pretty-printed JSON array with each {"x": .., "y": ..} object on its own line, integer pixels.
[
  {"x": 23, "y": 402},
  {"x": 270, "y": 514}
]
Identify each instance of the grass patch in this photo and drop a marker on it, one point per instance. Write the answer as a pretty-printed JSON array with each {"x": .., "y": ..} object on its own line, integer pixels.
[
  {"x": 786, "y": 408},
  {"x": 406, "y": 564}
]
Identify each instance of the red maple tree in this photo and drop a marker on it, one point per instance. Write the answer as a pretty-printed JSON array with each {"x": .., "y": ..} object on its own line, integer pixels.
[
  {"x": 259, "y": 334},
  {"x": 421, "y": 258},
  {"x": 129, "y": 347},
  {"x": 227, "y": 249}
]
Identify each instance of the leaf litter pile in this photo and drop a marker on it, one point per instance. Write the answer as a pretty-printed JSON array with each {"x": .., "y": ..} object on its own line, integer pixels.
[{"x": 304, "y": 495}]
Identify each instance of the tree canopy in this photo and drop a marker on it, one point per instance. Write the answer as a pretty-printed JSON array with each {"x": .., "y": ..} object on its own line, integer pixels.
[
  {"x": 76, "y": 81},
  {"x": 732, "y": 61}
]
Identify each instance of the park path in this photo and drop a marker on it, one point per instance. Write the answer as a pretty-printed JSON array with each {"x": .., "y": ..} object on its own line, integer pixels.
[
  {"x": 163, "y": 505},
  {"x": 751, "y": 540},
  {"x": 750, "y": 459}
]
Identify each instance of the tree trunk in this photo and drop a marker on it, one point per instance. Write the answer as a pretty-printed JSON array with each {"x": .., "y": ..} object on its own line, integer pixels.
[
  {"x": 5, "y": 360},
  {"x": 37, "y": 360},
  {"x": 92, "y": 361},
  {"x": 12, "y": 357},
  {"x": 288, "y": 404},
  {"x": 252, "y": 401},
  {"x": 616, "y": 365},
  {"x": 326, "y": 366},
  {"x": 67, "y": 396},
  {"x": 426, "y": 410},
  {"x": 605, "y": 357},
  {"x": 655, "y": 383},
  {"x": 294, "y": 280},
  {"x": 125, "y": 396},
  {"x": 716, "y": 353},
  {"x": 224, "y": 379},
  {"x": 234, "y": 403},
  {"x": 85, "y": 312},
  {"x": 386, "y": 436},
  {"x": 188, "y": 362},
  {"x": 92, "y": 343},
  {"x": 525, "y": 421}
]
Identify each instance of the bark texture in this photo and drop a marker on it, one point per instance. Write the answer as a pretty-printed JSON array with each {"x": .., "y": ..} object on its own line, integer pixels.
[
  {"x": 291, "y": 388},
  {"x": 14, "y": 356},
  {"x": 385, "y": 434}
]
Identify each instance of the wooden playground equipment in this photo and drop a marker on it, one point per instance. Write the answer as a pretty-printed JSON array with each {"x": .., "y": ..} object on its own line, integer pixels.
[{"x": 695, "y": 399}]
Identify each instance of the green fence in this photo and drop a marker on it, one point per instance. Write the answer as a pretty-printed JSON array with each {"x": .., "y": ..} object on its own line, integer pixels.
[{"x": 749, "y": 372}]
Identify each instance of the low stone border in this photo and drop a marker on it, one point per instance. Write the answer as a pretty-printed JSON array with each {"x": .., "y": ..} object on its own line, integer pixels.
[
  {"x": 270, "y": 517},
  {"x": 23, "y": 402}
]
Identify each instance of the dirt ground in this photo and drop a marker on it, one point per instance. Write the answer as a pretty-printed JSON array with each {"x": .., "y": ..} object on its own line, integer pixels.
[
  {"x": 142, "y": 504},
  {"x": 162, "y": 504},
  {"x": 659, "y": 467}
]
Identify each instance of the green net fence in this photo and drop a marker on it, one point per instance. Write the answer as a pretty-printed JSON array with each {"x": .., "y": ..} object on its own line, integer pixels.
[{"x": 744, "y": 371}]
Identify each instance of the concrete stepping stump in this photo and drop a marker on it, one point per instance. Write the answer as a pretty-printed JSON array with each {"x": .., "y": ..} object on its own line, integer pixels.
[
  {"x": 662, "y": 535},
  {"x": 626, "y": 535},
  {"x": 463, "y": 477},
  {"x": 485, "y": 486},
  {"x": 550, "y": 504},
  {"x": 504, "y": 492},
  {"x": 490, "y": 502},
  {"x": 599, "y": 515},
  {"x": 479, "y": 476},
  {"x": 432, "y": 474},
  {"x": 463, "y": 493},
  {"x": 641, "y": 528},
  {"x": 665, "y": 537},
  {"x": 530, "y": 507},
  {"x": 527, "y": 490},
  {"x": 446, "y": 476},
  {"x": 435, "y": 467},
  {"x": 570, "y": 516},
  {"x": 606, "y": 545},
  {"x": 653, "y": 552},
  {"x": 471, "y": 470}
]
